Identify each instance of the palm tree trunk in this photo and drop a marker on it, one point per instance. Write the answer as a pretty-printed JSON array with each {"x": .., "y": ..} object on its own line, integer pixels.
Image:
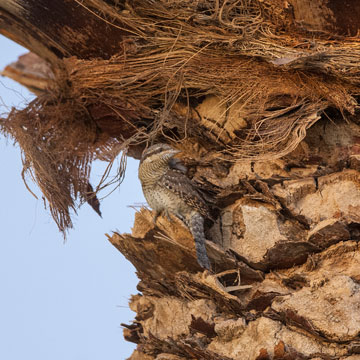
[{"x": 262, "y": 98}]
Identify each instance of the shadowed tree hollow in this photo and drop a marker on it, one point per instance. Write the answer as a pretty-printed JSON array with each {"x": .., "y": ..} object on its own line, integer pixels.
[{"x": 262, "y": 99}]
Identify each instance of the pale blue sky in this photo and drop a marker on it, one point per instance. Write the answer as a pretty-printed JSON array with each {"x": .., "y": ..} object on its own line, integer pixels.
[{"x": 60, "y": 301}]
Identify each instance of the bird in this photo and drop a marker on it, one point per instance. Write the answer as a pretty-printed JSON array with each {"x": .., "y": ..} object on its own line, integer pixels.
[{"x": 168, "y": 190}]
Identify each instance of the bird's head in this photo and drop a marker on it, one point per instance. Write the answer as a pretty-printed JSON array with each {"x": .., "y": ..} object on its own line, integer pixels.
[{"x": 158, "y": 152}]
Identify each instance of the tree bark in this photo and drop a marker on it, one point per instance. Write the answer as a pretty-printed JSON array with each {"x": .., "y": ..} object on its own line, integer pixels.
[
  {"x": 270, "y": 134},
  {"x": 285, "y": 258}
]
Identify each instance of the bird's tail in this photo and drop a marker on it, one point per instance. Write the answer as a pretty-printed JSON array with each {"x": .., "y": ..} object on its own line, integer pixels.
[{"x": 196, "y": 226}]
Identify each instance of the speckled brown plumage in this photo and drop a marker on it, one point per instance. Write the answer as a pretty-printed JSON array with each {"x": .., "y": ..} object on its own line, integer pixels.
[
  {"x": 168, "y": 190},
  {"x": 183, "y": 187}
]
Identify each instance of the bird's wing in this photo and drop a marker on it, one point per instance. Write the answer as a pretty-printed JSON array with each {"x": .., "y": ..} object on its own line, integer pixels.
[
  {"x": 180, "y": 184},
  {"x": 176, "y": 164}
]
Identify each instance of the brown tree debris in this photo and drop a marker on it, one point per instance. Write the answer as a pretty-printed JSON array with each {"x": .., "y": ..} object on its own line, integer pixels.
[
  {"x": 219, "y": 80},
  {"x": 262, "y": 98}
]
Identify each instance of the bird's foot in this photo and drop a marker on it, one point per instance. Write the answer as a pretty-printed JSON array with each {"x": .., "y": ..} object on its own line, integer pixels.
[
  {"x": 157, "y": 213},
  {"x": 167, "y": 215},
  {"x": 163, "y": 213}
]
